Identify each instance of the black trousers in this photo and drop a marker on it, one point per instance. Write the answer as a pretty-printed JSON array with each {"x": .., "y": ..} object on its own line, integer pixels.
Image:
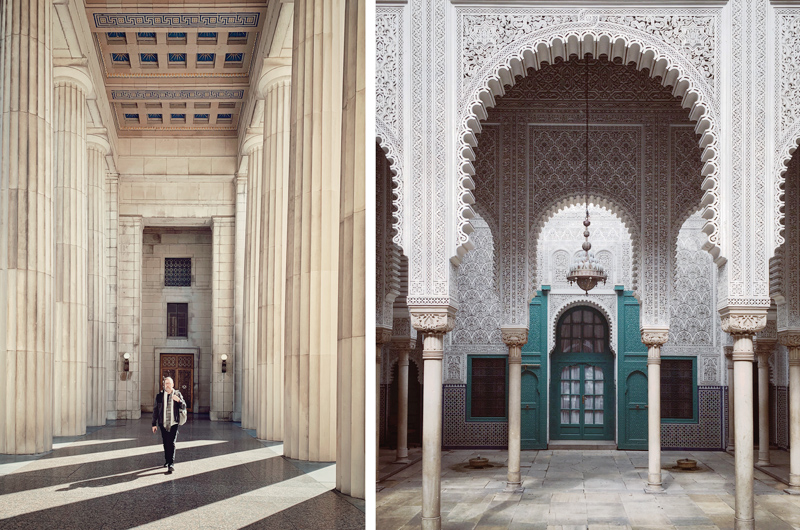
[{"x": 169, "y": 437}]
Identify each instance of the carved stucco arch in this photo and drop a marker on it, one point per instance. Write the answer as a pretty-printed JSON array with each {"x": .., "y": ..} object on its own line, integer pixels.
[
  {"x": 389, "y": 251},
  {"x": 393, "y": 360},
  {"x": 790, "y": 143},
  {"x": 597, "y": 199},
  {"x": 616, "y": 42},
  {"x": 581, "y": 300},
  {"x": 388, "y": 144}
]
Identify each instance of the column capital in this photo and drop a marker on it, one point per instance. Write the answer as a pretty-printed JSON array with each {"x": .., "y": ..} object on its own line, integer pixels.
[
  {"x": 75, "y": 73},
  {"x": 274, "y": 70},
  {"x": 514, "y": 335},
  {"x": 96, "y": 138},
  {"x": 382, "y": 335},
  {"x": 253, "y": 140},
  {"x": 728, "y": 351},
  {"x": 764, "y": 346},
  {"x": 654, "y": 337},
  {"x": 403, "y": 343},
  {"x": 433, "y": 319},
  {"x": 789, "y": 338},
  {"x": 743, "y": 320}
]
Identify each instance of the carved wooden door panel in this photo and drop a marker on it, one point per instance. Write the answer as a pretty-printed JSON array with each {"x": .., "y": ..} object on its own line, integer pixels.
[{"x": 180, "y": 367}]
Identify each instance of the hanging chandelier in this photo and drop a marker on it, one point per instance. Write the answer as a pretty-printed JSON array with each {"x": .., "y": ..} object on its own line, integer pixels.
[{"x": 586, "y": 270}]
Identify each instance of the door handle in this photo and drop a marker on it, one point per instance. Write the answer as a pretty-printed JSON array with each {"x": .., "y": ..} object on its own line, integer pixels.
[{"x": 526, "y": 407}]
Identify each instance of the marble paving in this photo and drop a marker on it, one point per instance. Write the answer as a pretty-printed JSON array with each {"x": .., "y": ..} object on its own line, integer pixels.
[
  {"x": 580, "y": 490},
  {"x": 112, "y": 478}
]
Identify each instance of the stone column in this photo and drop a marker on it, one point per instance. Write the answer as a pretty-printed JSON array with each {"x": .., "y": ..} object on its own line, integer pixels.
[
  {"x": 731, "y": 401},
  {"x": 26, "y": 228},
  {"x": 275, "y": 87},
  {"x": 764, "y": 349},
  {"x": 743, "y": 324},
  {"x": 112, "y": 346},
  {"x": 382, "y": 336},
  {"x": 312, "y": 274},
  {"x": 351, "y": 384},
  {"x": 98, "y": 148},
  {"x": 402, "y": 406},
  {"x": 654, "y": 338},
  {"x": 241, "y": 239},
  {"x": 514, "y": 337},
  {"x": 222, "y": 256},
  {"x": 792, "y": 341},
  {"x": 72, "y": 85},
  {"x": 434, "y": 322},
  {"x": 253, "y": 148},
  {"x": 129, "y": 319}
]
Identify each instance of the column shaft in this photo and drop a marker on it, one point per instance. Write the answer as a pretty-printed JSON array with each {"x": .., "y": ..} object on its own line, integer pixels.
[
  {"x": 432, "y": 431},
  {"x": 514, "y": 416},
  {"x": 222, "y": 330},
  {"x": 71, "y": 257},
  {"x": 313, "y": 231},
  {"x": 239, "y": 304},
  {"x": 277, "y": 107},
  {"x": 26, "y": 228},
  {"x": 743, "y": 381},
  {"x": 402, "y": 408},
  {"x": 763, "y": 407},
  {"x": 129, "y": 318},
  {"x": 654, "y": 418},
  {"x": 97, "y": 399},
  {"x": 794, "y": 420},
  {"x": 731, "y": 401},
  {"x": 112, "y": 347}
]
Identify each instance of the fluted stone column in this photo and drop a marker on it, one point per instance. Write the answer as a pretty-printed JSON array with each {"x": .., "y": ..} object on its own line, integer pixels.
[
  {"x": 352, "y": 362},
  {"x": 764, "y": 349},
  {"x": 253, "y": 147},
  {"x": 72, "y": 85},
  {"x": 239, "y": 309},
  {"x": 112, "y": 318},
  {"x": 434, "y": 322},
  {"x": 743, "y": 324},
  {"x": 275, "y": 87},
  {"x": 97, "y": 149},
  {"x": 310, "y": 352},
  {"x": 731, "y": 400},
  {"x": 129, "y": 317},
  {"x": 515, "y": 338},
  {"x": 792, "y": 341},
  {"x": 654, "y": 339},
  {"x": 26, "y": 228}
]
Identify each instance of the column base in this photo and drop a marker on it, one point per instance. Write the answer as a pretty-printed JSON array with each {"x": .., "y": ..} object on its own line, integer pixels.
[
  {"x": 744, "y": 524},
  {"x": 513, "y": 487},
  {"x": 432, "y": 523},
  {"x": 764, "y": 463},
  {"x": 792, "y": 490},
  {"x": 654, "y": 488},
  {"x": 402, "y": 460},
  {"x": 730, "y": 449}
]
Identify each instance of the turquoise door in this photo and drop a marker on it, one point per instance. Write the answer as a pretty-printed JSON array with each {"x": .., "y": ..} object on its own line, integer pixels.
[
  {"x": 582, "y": 387},
  {"x": 529, "y": 416}
]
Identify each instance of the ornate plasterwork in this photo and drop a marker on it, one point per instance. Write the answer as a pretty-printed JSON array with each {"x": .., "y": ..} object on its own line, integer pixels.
[
  {"x": 785, "y": 265},
  {"x": 654, "y": 337},
  {"x": 389, "y": 97},
  {"x": 510, "y": 44},
  {"x": 387, "y": 266}
]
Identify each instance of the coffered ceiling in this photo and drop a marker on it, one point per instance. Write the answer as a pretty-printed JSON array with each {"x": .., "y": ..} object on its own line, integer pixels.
[{"x": 177, "y": 66}]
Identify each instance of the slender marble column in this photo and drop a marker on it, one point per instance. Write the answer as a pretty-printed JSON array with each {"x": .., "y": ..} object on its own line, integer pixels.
[
  {"x": 26, "y": 227},
  {"x": 275, "y": 87},
  {"x": 792, "y": 341},
  {"x": 72, "y": 85},
  {"x": 731, "y": 400},
  {"x": 253, "y": 147},
  {"x": 434, "y": 322},
  {"x": 382, "y": 336},
  {"x": 98, "y": 148},
  {"x": 402, "y": 407},
  {"x": 312, "y": 274},
  {"x": 764, "y": 348},
  {"x": 351, "y": 383},
  {"x": 514, "y": 337},
  {"x": 654, "y": 338}
]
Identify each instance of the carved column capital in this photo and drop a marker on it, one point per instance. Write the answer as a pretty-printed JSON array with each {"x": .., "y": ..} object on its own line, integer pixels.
[
  {"x": 764, "y": 347},
  {"x": 383, "y": 335},
  {"x": 514, "y": 336},
  {"x": 654, "y": 337},
  {"x": 437, "y": 319},
  {"x": 743, "y": 320},
  {"x": 728, "y": 350},
  {"x": 791, "y": 339}
]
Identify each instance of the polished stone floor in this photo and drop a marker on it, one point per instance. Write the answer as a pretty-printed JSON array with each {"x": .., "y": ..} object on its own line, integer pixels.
[
  {"x": 224, "y": 478},
  {"x": 579, "y": 490}
]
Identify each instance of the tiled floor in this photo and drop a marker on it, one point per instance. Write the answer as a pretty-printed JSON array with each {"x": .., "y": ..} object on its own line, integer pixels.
[
  {"x": 224, "y": 478},
  {"x": 582, "y": 490}
]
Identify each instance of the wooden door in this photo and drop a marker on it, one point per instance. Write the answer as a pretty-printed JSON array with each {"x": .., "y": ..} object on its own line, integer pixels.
[{"x": 180, "y": 367}]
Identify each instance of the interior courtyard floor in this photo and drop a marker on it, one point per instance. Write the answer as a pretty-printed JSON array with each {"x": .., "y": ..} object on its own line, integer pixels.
[
  {"x": 579, "y": 490},
  {"x": 224, "y": 478}
]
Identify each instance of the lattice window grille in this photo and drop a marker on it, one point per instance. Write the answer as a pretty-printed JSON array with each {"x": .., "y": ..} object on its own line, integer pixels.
[{"x": 177, "y": 272}]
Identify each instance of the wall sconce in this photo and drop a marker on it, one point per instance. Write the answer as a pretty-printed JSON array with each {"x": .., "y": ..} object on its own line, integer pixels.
[
  {"x": 224, "y": 363},
  {"x": 126, "y": 363}
]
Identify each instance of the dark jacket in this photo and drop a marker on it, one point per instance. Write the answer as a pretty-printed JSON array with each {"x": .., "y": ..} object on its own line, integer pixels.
[{"x": 158, "y": 408}]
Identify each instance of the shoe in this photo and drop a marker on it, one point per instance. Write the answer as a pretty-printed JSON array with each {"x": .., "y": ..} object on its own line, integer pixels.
[
  {"x": 165, "y": 465},
  {"x": 170, "y": 469}
]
